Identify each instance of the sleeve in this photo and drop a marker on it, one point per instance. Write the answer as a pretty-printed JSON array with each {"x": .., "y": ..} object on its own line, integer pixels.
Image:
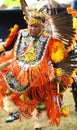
[{"x": 8, "y": 44}]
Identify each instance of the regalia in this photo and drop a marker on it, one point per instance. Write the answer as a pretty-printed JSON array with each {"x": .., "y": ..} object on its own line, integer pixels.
[{"x": 29, "y": 70}]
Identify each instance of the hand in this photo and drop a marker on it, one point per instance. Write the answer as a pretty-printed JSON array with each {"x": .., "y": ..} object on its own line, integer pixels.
[
  {"x": 58, "y": 78},
  {"x": 2, "y": 49}
]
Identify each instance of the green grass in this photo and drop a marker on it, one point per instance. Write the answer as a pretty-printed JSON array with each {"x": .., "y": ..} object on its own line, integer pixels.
[{"x": 12, "y": 3}]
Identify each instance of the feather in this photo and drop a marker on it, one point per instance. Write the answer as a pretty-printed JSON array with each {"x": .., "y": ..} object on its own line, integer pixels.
[
  {"x": 70, "y": 62},
  {"x": 23, "y": 7},
  {"x": 61, "y": 27},
  {"x": 63, "y": 3}
]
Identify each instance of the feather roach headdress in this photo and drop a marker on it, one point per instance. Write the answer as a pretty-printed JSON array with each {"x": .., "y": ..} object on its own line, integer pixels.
[{"x": 59, "y": 25}]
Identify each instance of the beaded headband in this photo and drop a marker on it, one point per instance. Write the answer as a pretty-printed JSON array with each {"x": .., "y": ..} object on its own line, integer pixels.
[{"x": 33, "y": 15}]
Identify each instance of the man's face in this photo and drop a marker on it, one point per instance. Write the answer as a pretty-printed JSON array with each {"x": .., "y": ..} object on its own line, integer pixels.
[{"x": 35, "y": 29}]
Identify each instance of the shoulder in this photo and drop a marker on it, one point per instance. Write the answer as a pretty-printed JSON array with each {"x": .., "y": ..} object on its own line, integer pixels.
[
  {"x": 24, "y": 32},
  {"x": 44, "y": 36}
]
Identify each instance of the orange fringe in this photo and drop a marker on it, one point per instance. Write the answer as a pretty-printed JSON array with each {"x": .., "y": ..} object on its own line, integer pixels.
[
  {"x": 11, "y": 35},
  {"x": 37, "y": 94}
]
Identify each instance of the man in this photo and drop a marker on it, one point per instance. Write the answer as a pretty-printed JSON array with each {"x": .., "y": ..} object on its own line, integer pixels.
[{"x": 32, "y": 71}]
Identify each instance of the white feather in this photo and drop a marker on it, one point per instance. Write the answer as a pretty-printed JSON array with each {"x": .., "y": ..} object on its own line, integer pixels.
[
  {"x": 39, "y": 4},
  {"x": 66, "y": 2}
]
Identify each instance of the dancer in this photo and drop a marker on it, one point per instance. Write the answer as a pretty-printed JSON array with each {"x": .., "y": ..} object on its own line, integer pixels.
[{"x": 31, "y": 70}]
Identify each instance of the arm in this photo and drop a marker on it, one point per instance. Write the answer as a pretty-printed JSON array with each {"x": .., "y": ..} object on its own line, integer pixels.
[
  {"x": 58, "y": 54},
  {"x": 8, "y": 44}
]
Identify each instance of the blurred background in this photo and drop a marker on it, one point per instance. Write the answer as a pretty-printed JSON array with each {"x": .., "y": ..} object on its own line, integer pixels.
[{"x": 10, "y": 14}]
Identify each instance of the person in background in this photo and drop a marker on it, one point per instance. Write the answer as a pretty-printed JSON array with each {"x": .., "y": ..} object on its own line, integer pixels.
[
  {"x": 74, "y": 87},
  {"x": 73, "y": 11}
]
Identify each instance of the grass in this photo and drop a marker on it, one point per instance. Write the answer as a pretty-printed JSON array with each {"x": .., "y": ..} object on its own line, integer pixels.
[
  {"x": 12, "y": 3},
  {"x": 69, "y": 123}
]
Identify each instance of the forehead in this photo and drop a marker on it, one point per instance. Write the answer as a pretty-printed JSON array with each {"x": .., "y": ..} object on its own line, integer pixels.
[{"x": 34, "y": 25}]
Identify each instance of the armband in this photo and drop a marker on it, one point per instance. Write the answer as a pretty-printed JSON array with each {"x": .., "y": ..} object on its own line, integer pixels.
[{"x": 58, "y": 72}]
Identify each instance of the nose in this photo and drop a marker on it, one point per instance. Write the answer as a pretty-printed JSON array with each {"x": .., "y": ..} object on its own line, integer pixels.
[{"x": 33, "y": 28}]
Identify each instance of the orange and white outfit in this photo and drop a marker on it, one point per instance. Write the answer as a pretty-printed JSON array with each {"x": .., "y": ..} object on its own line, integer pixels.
[{"x": 30, "y": 71}]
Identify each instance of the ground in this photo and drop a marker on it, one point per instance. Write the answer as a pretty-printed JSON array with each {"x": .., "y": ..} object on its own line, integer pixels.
[{"x": 69, "y": 123}]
